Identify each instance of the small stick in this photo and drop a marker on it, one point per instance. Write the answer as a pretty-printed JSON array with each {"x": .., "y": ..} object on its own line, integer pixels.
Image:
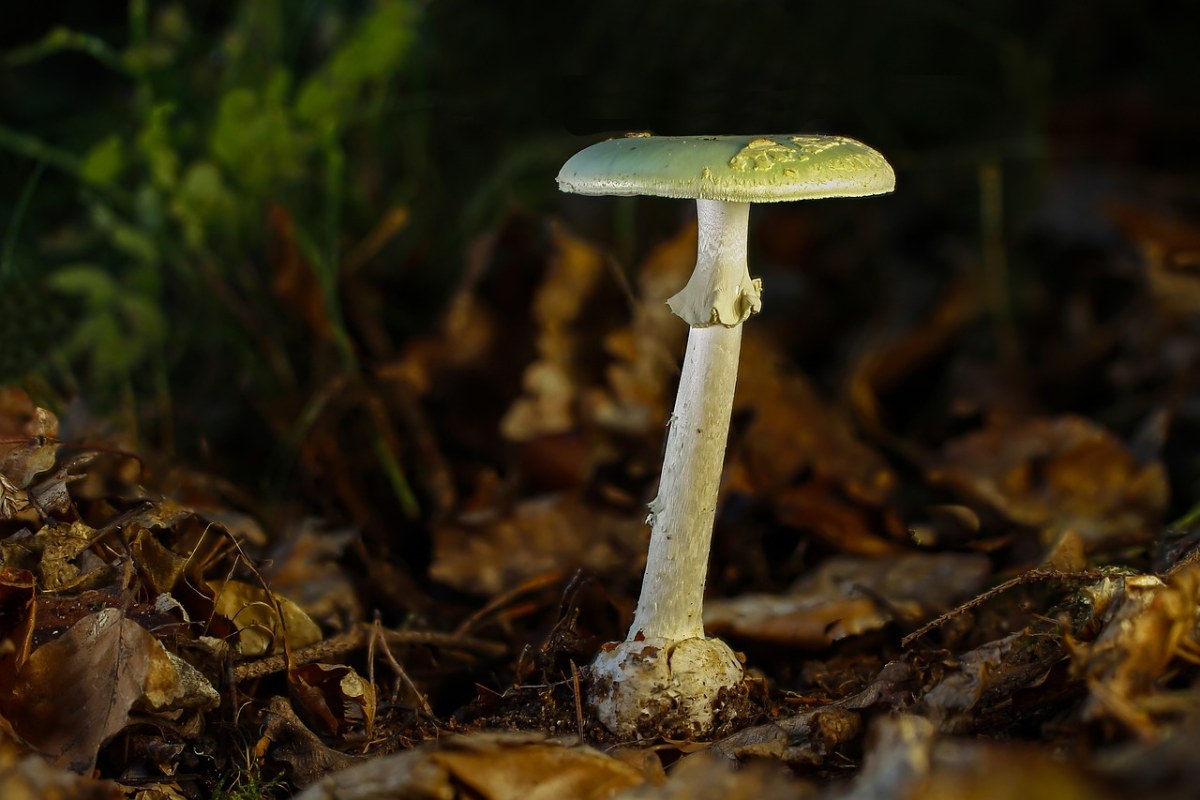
[
  {"x": 356, "y": 638},
  {"x": 321, "y": 651},
  {"x": 1031, "y": 576},
  {"x": 377, "y": 632},
  {"x": 578, "y": 700},
  {"x": 504, "y": 598}
]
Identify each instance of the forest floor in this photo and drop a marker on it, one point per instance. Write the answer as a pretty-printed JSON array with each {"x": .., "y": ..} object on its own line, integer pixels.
[{"x": 945, "y": 549}]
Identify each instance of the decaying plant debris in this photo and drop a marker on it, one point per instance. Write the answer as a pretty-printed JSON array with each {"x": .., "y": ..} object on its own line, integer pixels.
[{"x": 923, "y": 605}]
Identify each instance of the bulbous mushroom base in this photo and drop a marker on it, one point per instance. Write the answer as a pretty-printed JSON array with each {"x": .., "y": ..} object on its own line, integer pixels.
[{"x": 657, "y": 687}]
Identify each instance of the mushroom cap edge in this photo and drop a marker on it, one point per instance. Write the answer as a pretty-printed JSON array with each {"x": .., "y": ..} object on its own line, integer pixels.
[{"x": 747, "y": 169}]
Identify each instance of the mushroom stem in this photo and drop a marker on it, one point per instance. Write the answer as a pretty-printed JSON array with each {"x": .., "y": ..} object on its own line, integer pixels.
[
  {"x": 666, "y": 678},
  {"x": 681, "y": 517}
]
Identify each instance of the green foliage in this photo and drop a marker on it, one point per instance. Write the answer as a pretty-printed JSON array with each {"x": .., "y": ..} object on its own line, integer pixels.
[
  {"x": 258, "y": 139},
  {"x": 362, "y": 65},
  {"x": 103, "y": 164},
  {"x": 119, "y": 327},
  {"x": 248, "y": 783},
  {"x": 203, "y": 204},
  {"x": 175, "y": 184}
]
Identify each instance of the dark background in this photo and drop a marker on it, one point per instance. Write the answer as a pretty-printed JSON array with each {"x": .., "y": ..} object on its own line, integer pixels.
[{"x": 1066, "y": 107}]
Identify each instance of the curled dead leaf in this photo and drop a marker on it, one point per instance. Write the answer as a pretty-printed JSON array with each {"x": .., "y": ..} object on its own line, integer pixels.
[
  {"x": 73, "y": 694},
  {"x": 253, "y": 612},
  {"x": 708, "y": 776},
  {"x": 1148, "y": 625},
  {"x": 1057, "y": 474},
  {"x": 333, "y": 698},
  {"x": 174, "y": 684},
  {"x": 27, "y": 437}
]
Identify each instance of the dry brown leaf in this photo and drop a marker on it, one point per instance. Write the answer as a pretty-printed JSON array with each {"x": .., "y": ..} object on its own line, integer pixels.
[
  {"x": 895, "y": 354},
  {"x": 809, "y": 623},
  {"x": 157, "y": 791},
  {"x": 969, "y": 770},
  {"x": 253, "y": 612},
  {"x": 905, "y": 758},
  {"x": 849, "y": 596},
  {"x": 18, "y": 611},
  {"x": 646, "y": 353},
  {"x": 305, "y": 569},
  {"x": 25, "y": 776},
  {"x": 1165, "y": 769},
  {"x": 287, "y": 740},
  {"x": 333, "y": 698},
  {"x": 160, "y": 566},
  {"x": 548, "y": 405},
  {"x": 1146, "y": 627},
  {"x": 76, "y": 692},
  {"x": 707, "y": 776},
  {"x": 21, "y": 461},
  {"x": 49, "y": 493},
  {"x": 794, "y": 432},
  {"x": 536, "y": 771},
  {"x": 58, "y": 554},
  {"x": 989, "y": 674},
  {"x": 16, "y": 587},
  {"x": 816, "y": 508},
  {"x": 488, "y": 766},
  {"x": 807, "y": 738},
  {"x": 1063, "y": 473},
  {"x": 897, "y": 756},
  {"x": 467, "y": 338},
  {"x": 546, "y": 534},
  {"x": 1171, "y": 248},
  {"x": 163, "y": 513},
  {"x": 13, "y": 499},
  {"x": 174, "y": 684}
]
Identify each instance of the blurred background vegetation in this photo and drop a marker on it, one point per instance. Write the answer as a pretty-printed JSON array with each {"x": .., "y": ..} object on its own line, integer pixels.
[{"x": 218, "y": 216}]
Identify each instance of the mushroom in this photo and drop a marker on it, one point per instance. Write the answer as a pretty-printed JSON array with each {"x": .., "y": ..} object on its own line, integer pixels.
[{"x": 666, "y": 678}]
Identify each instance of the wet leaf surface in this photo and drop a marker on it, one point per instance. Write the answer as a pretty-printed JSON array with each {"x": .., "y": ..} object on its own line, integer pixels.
[{"x": 73, "y": 694}]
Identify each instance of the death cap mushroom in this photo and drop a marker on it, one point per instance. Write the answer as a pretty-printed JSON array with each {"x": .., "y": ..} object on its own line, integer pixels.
[
  {"x": 740, "y": 169},
  {"x": 668, "y": 678}
]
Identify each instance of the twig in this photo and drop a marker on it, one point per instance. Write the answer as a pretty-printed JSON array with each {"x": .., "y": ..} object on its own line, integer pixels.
[
  {"x": 377, "y": 633},
  {"x": 356, "y": 638},
  {"x": 1031, "y": 576},
  {"x": 504, "y": 598},
  {"x": 578, "y": 700},
  {"x": 448, "y": 641}
]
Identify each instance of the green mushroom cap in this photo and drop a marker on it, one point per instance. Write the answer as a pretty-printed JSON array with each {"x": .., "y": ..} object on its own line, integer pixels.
[{"x": 742, "y": 169}]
